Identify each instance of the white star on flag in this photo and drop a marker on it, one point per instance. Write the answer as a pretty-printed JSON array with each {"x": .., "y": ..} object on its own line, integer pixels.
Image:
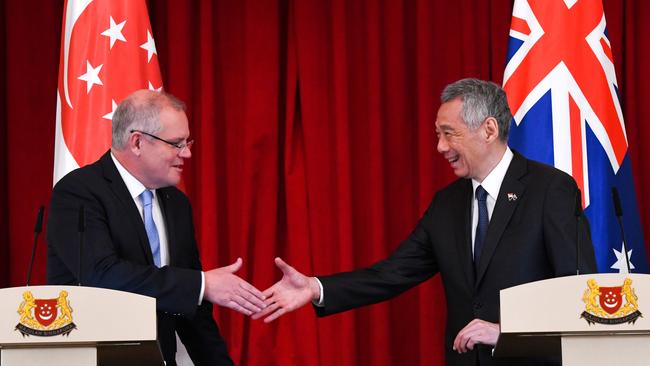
[
  {"x": 91, "y": 77},
  {"x": 150, "y": 46},
  {"x": 114, "y": 32},
  {"x": 620, "y": 260},
  {"x": 90, "y": 31},
  {"x": 109, "y": 115},
  {"x": 151, "y": 87}
]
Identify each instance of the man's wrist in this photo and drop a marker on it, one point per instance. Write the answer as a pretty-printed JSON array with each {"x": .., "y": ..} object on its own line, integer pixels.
[{"x": 317, "y": 291}]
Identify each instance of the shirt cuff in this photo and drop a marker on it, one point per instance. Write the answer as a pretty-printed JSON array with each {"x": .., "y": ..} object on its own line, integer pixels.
[
  {"x": 202, "y": 287},
  {"x": 321, "y": 299}
]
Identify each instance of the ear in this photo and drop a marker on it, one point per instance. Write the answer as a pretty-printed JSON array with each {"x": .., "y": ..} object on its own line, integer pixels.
[
  {"x": 491, "y": 128},
  {"x": 134, "y": 143}
]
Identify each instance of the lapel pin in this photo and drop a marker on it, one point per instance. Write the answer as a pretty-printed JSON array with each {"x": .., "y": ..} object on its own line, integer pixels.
[{"x": 512, "y": 197}]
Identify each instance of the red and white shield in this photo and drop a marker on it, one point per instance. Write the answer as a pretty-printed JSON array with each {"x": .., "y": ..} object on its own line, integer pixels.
[
  {"x": 610, "y": 299},
  {"x": 45, "y": 311}
]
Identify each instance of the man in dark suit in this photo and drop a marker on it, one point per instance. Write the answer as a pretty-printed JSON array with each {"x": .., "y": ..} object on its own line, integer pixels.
[
  {"x": 507, "y": 221},
  {"x": 139, "y": 233}
]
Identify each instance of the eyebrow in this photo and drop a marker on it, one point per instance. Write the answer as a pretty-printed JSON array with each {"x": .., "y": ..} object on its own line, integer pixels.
[{"x": 444, "y": 128}]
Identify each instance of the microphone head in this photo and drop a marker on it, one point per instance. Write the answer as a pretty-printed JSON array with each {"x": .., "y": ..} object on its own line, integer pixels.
[
  {"x": 38, "y": 227},
  {"x": 617, "y": 202}
]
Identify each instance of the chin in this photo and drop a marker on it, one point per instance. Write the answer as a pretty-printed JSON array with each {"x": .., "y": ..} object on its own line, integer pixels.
[
  {"x": 174, "y": 181},
  {"x": 461, "y": 173}
]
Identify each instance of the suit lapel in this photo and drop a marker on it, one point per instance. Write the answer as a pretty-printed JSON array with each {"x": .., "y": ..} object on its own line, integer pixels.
[
  {"x": 510, "y": 194},
  {"x": 463, "y": 213},
  {"x": 130, "y": 209}
]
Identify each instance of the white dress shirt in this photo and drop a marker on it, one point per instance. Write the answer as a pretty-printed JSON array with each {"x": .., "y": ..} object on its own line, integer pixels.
[
  {"x": 492, "y": 184},
  {"x": 135, "y": 189}
]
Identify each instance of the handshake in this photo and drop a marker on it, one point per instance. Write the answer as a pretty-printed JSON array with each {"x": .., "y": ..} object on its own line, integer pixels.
[{"x": 294, "y": 290}]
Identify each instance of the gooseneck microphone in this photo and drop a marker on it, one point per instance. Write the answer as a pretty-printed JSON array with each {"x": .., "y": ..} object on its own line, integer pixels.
[
  {"x": 82, "y": 230},
  {"x": 578, "y": 214},
  {"x": 619, "y": 217},
  {"x": 38, "y": 227}
]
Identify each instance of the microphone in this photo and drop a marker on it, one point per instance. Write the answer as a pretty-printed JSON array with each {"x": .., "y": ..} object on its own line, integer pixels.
[
  {"x": 38, "y": 227},
  {"x": 578, "y": 214},
  {"x": 81, "y": 228},
  {"x": 619, "y": 214}
]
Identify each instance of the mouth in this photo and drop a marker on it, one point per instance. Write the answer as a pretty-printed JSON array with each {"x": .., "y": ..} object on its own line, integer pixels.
[
  {"x": 178, "y": 167},
  {"x": 453, "y": 159}
]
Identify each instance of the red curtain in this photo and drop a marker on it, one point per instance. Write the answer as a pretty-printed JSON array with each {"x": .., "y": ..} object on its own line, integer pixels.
[{"x": 314, "y": 128}]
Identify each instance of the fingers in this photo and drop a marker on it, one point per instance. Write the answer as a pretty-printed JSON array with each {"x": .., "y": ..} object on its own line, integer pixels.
[
  {"x": 235, "y": 306},
  {"x": 270, "y": 308},
  {"x": 476, "y": 332},
  {"x": 278, "y": 313},
  {"x": 272, "y": 312},
  {"x": 269, "y": 292},
  {"x": 246, "y": 304},
  {"x": 252, "y": 295},
  {"x": 234, "y": 267},
  {"x": 283, "y": 266},
  {"x": 465, "y": 340}
]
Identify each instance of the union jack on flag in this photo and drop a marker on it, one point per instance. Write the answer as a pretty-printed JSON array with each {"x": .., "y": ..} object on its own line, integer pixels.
[{"x": 562, "y": 90}]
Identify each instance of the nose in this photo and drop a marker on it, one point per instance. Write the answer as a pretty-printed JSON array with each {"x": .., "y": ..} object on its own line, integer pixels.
[
  {"x": 442, "y": 145},
  {"x": 185, "y": 153}
]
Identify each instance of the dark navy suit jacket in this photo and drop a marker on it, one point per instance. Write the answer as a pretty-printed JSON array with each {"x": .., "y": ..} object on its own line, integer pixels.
[
  {"x": 530, "y": 237},
  {"x": 117, "y": 255}
]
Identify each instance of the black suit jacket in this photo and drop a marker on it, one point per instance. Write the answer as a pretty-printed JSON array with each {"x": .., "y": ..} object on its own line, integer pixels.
[
  {"x": 530, "y": 237},
  {"x": 117, "y": 255}
]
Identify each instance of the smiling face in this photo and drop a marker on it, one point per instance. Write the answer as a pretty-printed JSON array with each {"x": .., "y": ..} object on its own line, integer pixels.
[
  {"x": 160, "y": 164},
  {"x": 467, "y": 151}
]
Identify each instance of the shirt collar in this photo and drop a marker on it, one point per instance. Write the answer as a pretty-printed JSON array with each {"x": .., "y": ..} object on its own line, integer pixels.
[
  {"x": 132, "y": 183},
  {"x": 492, "y": 183}
]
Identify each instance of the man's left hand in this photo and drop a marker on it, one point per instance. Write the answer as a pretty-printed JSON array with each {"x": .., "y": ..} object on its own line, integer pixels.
[{"x": 476, "y": 332}]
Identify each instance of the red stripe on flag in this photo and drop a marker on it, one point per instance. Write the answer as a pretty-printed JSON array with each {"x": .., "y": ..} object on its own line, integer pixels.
[
  {"x": 577, "y": 167},
  {"x": 607, "y": 49},
  {"x": 520, "y": 25}
]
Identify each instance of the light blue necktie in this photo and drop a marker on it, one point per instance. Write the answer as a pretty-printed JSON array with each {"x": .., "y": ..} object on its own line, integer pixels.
[
  {"x": 150, "y": 226},
  {"x": 482, "y": 225}
]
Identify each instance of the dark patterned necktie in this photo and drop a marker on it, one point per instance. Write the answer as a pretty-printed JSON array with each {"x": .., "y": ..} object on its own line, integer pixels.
[{"x": 482, "y": 225}]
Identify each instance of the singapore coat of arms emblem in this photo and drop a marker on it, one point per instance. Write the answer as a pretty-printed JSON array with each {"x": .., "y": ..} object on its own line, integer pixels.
[
  {"x": 610, "y": 305},
  {"x": 45, "y": 317}
]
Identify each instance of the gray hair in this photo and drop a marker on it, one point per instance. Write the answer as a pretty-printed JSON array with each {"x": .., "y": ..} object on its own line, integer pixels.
[
  {"x": 140, "y": 111},
  {"x": 481, "y": 99}
]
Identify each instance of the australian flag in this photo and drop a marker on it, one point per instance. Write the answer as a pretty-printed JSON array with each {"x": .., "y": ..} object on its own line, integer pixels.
[{"x": 563, "y": 94}]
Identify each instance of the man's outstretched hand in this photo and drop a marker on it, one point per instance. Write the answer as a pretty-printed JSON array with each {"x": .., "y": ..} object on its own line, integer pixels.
[
  {"x": 293, "y": 291},
  {"x": 223, "y": 287}
]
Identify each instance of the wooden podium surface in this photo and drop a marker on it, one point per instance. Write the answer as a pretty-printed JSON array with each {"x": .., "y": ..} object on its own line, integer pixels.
[
  {"x": 72, "y": 325},
  {"x": 595, "y": 319}
]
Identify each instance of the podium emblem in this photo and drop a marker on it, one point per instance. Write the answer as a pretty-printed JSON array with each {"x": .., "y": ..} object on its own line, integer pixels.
[
  {"x": 610, "y": 305},
  {"x": 45, "y": 317}
]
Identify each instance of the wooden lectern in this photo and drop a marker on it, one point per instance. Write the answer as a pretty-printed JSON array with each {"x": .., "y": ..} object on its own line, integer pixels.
[
  {"x": 68, "y": 325},
  {"x": 595, "y": 319}
]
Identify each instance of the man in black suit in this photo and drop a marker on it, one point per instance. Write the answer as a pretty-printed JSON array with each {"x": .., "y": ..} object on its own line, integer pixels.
[
  {"x": 139, "y": 231},
  {"x": 507, "y": 221}
]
